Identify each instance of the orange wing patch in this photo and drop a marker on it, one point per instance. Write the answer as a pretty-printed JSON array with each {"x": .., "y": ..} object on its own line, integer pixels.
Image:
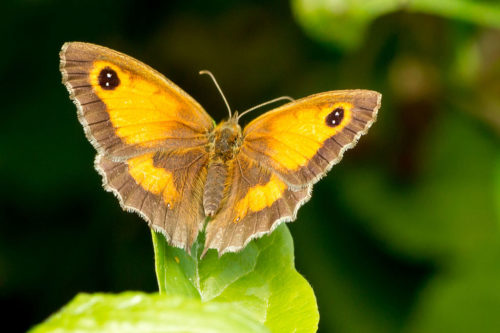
[
  {"x": 156, "y": 180},
  {"x": 301, "y": 135},
  {"x": 138, "y": 109},
  {"x": 259, "y": 197}
]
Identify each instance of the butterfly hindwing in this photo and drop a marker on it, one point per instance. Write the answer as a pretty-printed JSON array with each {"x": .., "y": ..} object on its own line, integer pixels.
[
  {"x": 257, "y": 202},
  {"x": 302, "y": 140},
  {"x": 157, "y": 186}
]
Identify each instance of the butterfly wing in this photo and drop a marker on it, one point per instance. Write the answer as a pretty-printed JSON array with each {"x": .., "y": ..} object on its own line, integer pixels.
[
  {"x": 149, "y": 134},
  {"x": 302, "y": 140},
  {"x": 257, "y": 202},
  {"x": 283, "y": 153}
]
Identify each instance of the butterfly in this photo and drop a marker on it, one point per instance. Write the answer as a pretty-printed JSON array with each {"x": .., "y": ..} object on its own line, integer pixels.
[{"x": 164, "y": 157}]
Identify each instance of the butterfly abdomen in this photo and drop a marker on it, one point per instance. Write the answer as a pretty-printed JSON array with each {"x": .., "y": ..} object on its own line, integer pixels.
[{"x": 214, "y": 187}]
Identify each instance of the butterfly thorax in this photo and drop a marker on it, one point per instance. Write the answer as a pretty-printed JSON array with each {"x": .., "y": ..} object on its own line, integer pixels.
[
  {"x": 226, "y": 140},
  {"x": 224, "y": 144}
]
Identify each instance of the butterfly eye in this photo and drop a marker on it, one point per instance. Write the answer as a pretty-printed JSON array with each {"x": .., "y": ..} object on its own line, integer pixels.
[
  {"x": 335, "y": 117},
  {"x": 108, "y": 79}
]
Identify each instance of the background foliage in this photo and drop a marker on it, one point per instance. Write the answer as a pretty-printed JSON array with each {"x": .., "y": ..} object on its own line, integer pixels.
[{"x": 402, "y": 236}]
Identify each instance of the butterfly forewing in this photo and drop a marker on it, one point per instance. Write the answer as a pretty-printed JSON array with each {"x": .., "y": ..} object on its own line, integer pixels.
[
  {"x": 126, "y": 107},
  {"x": 301, "y": 141}
]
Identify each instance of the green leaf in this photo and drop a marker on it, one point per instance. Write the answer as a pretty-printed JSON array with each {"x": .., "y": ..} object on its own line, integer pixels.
[
  {"x": 139, "y": 312},
  {"x": 261, "y": 280},
  {"x": 343, "y": 23}
]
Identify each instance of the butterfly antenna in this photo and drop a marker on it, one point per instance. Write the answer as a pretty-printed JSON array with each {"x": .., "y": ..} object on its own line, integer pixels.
[
  {"x": 218, "y": 87},
  {"x": 266, "y": 103}
]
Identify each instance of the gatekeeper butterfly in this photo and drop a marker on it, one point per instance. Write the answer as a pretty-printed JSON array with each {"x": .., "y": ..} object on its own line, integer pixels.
[{"x": 163, "y": 156}]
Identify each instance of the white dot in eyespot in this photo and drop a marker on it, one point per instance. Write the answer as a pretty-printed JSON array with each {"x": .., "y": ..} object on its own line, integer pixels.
[
  {"x": 107, "y": 84},
  {"x": 333, "y": 122},
  {"x": 108, "y": 75},
  {"x": 337, "y": 113}
]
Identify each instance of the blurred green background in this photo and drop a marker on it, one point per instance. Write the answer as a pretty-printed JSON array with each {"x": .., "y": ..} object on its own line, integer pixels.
[{"x": 402, "y": 236}]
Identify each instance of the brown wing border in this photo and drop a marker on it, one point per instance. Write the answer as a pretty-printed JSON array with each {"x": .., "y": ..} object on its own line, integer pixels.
[{"x": 275, "y": 224}]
